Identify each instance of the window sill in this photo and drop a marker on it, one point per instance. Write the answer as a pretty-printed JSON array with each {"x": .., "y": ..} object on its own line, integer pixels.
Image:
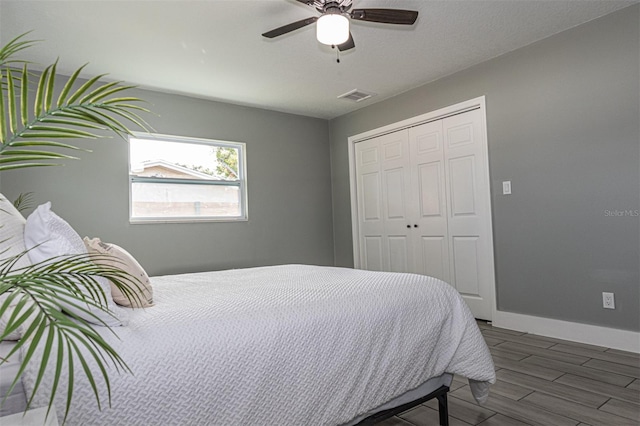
[{"x": 150, "y": 221}]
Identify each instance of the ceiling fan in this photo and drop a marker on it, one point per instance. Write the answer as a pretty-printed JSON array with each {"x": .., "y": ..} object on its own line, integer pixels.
[{"x": 332, "y": 26}]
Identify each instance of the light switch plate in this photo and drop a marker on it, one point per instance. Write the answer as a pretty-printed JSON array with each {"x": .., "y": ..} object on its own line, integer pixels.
[{"x": 506, "y": 187}]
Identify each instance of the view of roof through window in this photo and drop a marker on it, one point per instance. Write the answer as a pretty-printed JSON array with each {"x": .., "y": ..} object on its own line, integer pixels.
[{"x": 181, "y": 160}]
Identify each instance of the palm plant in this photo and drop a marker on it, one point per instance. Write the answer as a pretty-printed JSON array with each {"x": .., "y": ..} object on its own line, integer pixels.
[
  {"x": 24, "y": 201},
  {"x": 32, "y": 125}
]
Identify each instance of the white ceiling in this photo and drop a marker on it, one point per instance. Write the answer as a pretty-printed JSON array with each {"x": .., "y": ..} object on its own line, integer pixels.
[{"x": 214, "y": 49}]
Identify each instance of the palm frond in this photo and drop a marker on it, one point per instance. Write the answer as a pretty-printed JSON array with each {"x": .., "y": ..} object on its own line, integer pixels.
[
  {"x": 14, "y": 46},
  {"x": 24, "y": 201},
  {"x": 25, "y": 165},
  {"x": 84, "y": 112},
  {"x": 24, "y": 143},
  {"x": 11, "y": 48},
  {"x": 52, "y": 339}
]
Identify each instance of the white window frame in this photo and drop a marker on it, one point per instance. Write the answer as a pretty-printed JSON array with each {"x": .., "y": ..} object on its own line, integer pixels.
[{"x": 241, "y": 183}]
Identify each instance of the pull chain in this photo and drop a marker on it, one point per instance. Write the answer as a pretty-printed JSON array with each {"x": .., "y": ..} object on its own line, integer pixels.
[{"x": 333, "y": 46}]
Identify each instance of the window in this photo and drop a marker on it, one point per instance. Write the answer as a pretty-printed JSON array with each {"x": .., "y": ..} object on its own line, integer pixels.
[{"x": 178, "y": 179}]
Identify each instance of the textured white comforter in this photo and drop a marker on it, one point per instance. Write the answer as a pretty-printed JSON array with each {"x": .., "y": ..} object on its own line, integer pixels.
[{"x": 282, "y": 345}]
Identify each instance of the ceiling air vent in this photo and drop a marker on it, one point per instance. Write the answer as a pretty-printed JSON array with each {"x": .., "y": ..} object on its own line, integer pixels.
[{"x": 356, "y": 95}]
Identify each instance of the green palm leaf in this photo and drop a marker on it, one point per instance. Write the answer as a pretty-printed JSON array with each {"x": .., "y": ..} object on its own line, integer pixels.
[
  {"x": 13, "y": 125},
  {"x": 11, "y": 48},
  {"x": 14, "y": 46},
  {"x": 45, "y": 143},
  {"x": 3, "y": 117},
  {"x": 24, "y": 97},
  {"x": 23, "y": 165},
  {"x": 29, "y": 157},
  {"x": 73, "y": 123},
  {"x": 69, "y": 85},
  {"x": 24, "y": 201},
  {"x": 38, "y": 108}
]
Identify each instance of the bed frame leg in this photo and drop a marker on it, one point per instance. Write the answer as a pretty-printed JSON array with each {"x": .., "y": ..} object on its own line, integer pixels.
[{"x": 443, "y": 409}]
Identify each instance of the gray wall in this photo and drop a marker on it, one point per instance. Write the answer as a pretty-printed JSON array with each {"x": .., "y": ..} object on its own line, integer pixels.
[
  {"x": 563, "y": 125},
  {"x": 289, "y": 191}
]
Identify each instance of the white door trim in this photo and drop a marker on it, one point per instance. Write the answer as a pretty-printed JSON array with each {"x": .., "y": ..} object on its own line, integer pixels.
[{"x": 477, "y": 103}]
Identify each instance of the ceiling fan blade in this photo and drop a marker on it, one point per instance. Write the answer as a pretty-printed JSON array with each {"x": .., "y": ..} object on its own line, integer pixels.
[
  {"x": 349, "y": 44},
  {"x": 290, "y": 27},
  {"x": 385, "y": 16}
]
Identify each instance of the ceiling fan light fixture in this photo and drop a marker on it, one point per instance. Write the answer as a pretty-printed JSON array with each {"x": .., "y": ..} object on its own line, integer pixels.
[{"x": 332, "y": 29}]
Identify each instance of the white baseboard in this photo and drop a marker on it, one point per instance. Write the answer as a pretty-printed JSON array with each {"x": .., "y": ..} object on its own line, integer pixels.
[{"x": 576, "y": 332}]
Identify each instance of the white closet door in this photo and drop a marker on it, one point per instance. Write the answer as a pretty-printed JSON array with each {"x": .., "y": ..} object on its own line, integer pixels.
[
  {"x": 397, "y": 201},
  {"x": 469, "y": 221},
  {"x": 369, "y": 190},
  {"x": 430, "y": 243},
  {"x": 423, "y": 203},
  {"x": 383, "y": 188}
]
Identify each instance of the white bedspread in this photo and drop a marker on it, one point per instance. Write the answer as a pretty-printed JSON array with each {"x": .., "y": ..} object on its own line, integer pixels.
[{"x": 282, "y": 345}]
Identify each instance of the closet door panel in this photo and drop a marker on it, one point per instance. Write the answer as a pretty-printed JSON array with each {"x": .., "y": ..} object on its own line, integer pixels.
[
  {"x": 396, "y": 197},
  {"x": 430, "y": 189},
  {"x": 372, "y": 254},
  {"x": 465, "y": 265},
  {"x": 398, "y": 253},
  {"x": 430, "y": 218},
  {"x": 370, "y": 205},
  {"x": 435, "y": 256},
  {"x": 462, "y": 186},
  {"x": 371, "y": 201},
  {"x": 397, "y": 200}
]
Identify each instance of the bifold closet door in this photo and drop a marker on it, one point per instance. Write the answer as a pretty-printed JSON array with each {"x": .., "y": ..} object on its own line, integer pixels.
[
  {"x": 384, "y": 203},
  {"x": 423, "y": 205},
  {"x": 469, "y": 214}
]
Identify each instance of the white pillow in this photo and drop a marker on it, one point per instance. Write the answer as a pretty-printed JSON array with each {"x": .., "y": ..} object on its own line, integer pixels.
[
  {"x": 12, "y": 244},
  {"x": 122, "y": 259},
  {"x": 47, "y": 235}
]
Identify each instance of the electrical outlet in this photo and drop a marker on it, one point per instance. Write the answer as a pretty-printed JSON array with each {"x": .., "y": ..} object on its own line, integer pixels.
[{"x": 608, "y": 300}]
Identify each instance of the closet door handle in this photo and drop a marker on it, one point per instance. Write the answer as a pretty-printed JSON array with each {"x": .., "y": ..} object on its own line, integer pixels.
[
  {"x": 408, "y": 226},
  {"x": 415, "y": 226}
]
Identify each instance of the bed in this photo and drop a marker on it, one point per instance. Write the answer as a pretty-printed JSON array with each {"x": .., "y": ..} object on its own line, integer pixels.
[{"x": 286, "y": 345}]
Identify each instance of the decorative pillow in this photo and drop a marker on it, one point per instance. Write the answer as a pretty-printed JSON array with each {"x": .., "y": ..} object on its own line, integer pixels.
[
  {"x": 47, "y": 235},
  {"x": 12, "y": 244},
  {"x": 120, "y": 258}
]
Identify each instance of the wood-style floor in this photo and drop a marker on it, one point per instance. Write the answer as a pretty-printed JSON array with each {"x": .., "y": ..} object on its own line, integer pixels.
[{"x": 543, "y": 381}]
